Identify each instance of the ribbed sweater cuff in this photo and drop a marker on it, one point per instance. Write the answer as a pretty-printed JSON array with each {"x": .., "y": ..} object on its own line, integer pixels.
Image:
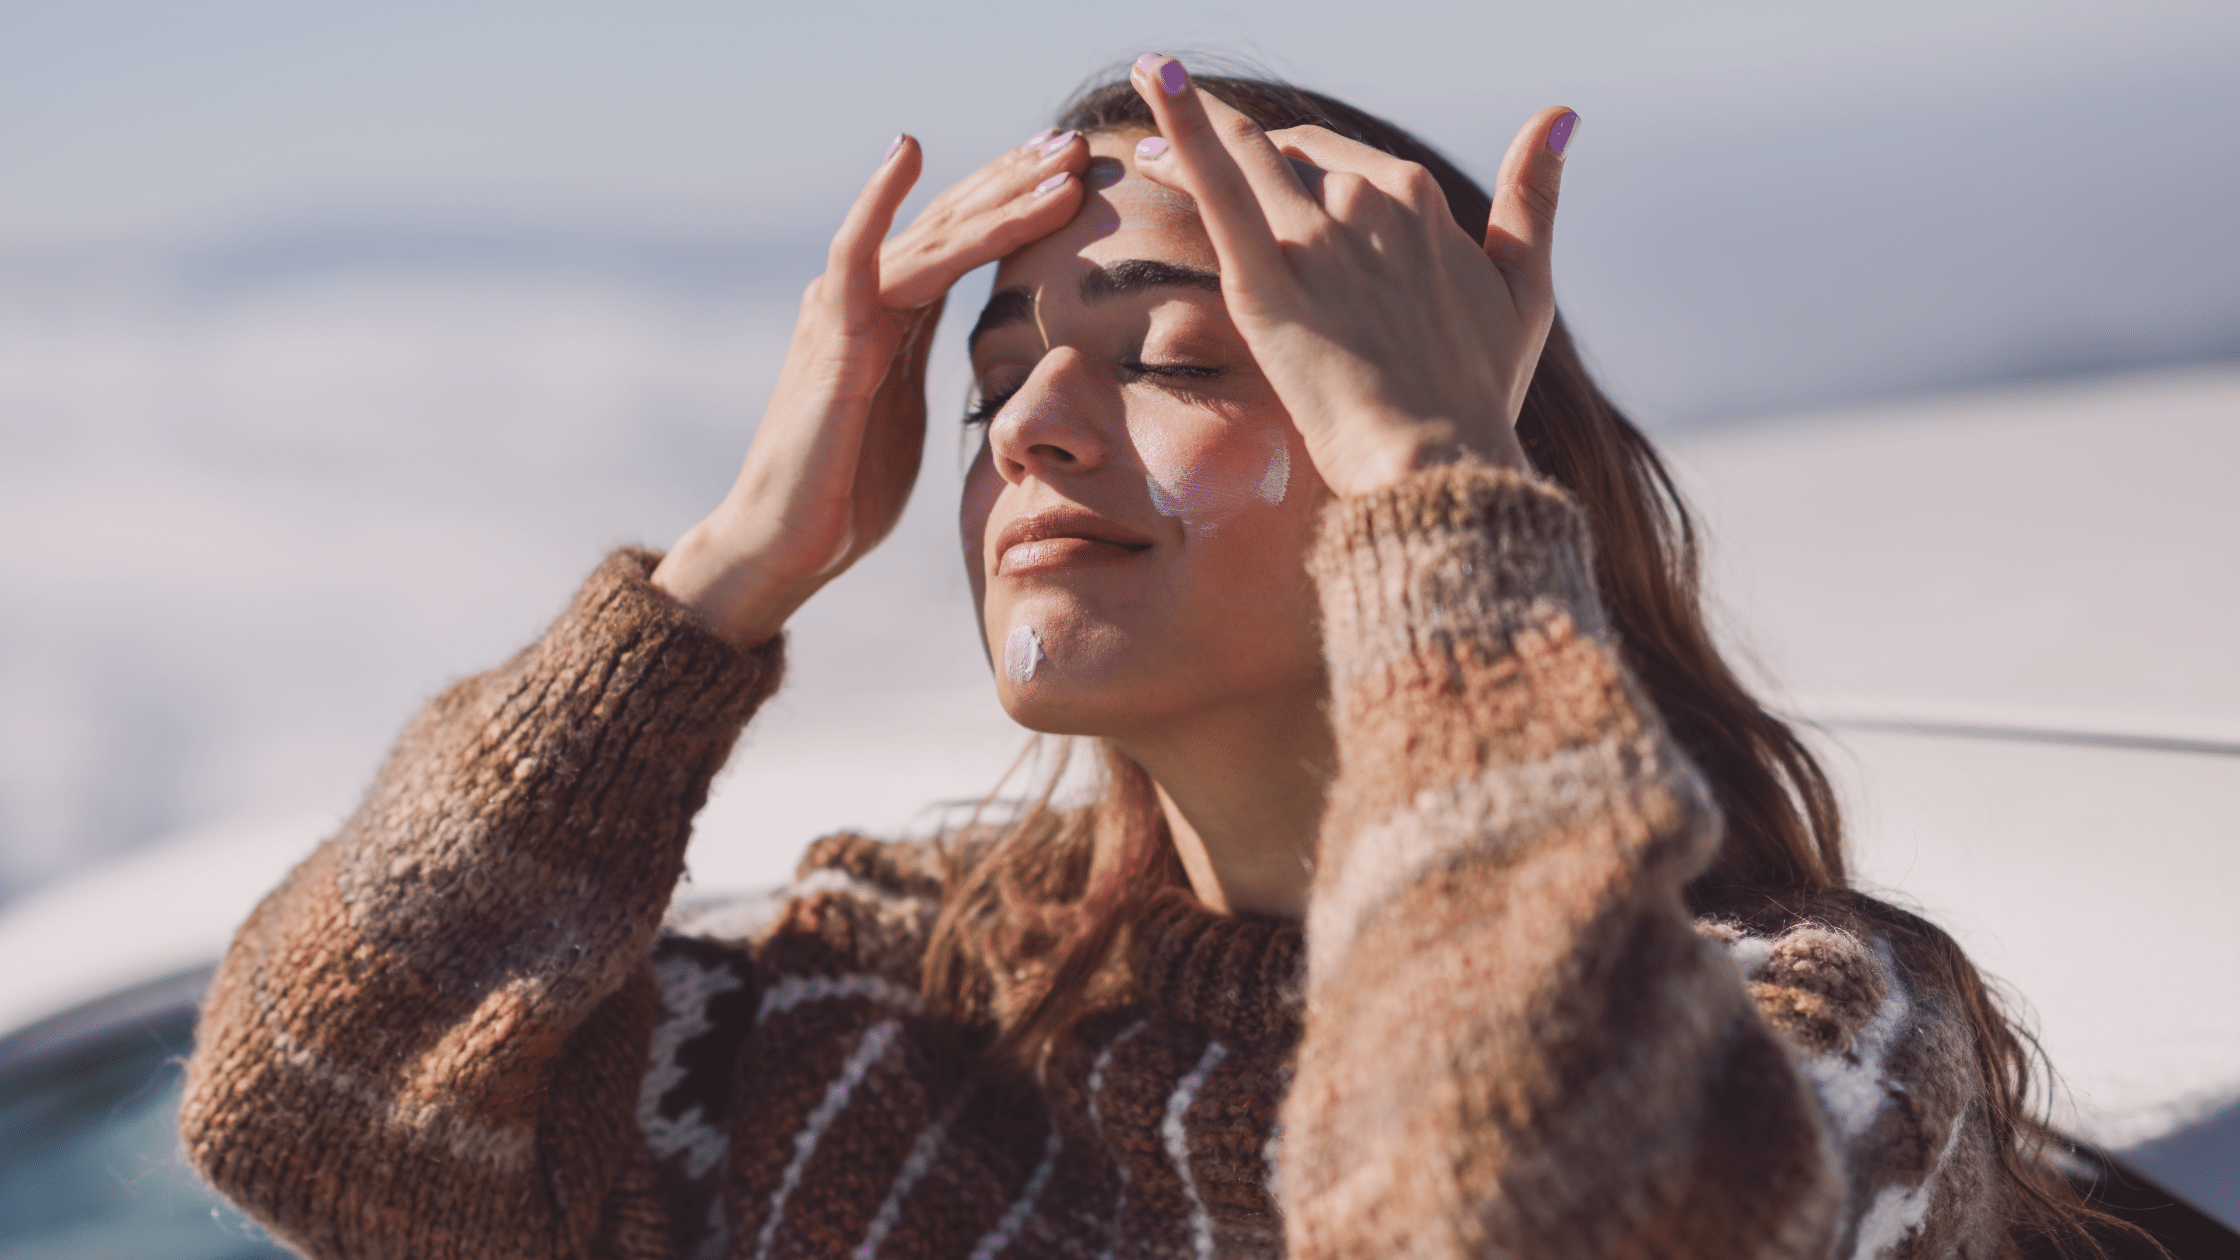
[
  {"x": 1464, "y": 552},
  {"x": 596, "y": 745},
  {"x": 631, "y": 665}
]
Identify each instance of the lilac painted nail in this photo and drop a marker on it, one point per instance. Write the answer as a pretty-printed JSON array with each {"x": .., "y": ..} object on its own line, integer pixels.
[
  {"x": 893, "y": 148},
  {"x": 1035, "y": 141},
  {"x": 1148, "y": 63},
  {"x": 1559, "y": 136},
  {"x": 1176, "y": 79},
  {"x": 1057, "y": 143},
  {"x": 1151, "y": 148},
  {"x": 1053, "y": 184}
]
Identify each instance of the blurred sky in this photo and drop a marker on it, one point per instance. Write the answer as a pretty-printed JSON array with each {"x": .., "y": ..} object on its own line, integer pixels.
[
  {"x": 337, "y": 341},
  {"x": 1774, "y": 201}
]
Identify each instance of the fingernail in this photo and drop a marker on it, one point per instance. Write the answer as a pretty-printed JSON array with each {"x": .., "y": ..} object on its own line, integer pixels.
[
  {"x": 1151, "y": 148},
  {"x": 1053, "y": 184},
  {"x": 1035, "y": 141},
  {"x": 1559, "y": 136},
  {"x": 1176, "y": 79},
  {"x": 893, "y": 148},
  {"x": 1057, "y": 143}
]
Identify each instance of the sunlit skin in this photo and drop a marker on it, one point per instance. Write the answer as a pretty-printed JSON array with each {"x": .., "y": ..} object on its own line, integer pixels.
[
  {"x": 1256, "y": 341},
  {"x": 1191, "y": 645}
]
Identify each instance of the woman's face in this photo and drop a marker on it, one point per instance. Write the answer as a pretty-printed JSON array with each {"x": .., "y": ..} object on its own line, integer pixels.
[{"x": 1137, "y": 519}]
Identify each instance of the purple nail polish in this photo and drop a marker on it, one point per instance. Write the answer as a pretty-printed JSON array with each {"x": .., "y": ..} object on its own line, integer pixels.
[
  {"x": 1176, "y": 79},
  {"x": 1035, "y": 141},
  {"x": 1151, "y": 148},
  {"x": 1058, "y": 143},
  {"x": 1559, "y": 136},
  {"x": 893, "y": 148},
  {"x": 1052, "y": 184}
]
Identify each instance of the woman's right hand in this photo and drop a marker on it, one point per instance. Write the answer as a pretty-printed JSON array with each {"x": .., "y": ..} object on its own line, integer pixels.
[
  {"x": 833, "y": 461},
  {"x": 1393, "y": 339}
]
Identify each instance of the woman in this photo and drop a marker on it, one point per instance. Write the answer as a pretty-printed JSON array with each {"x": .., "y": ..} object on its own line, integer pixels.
[{"x": 1447, "y": 896}]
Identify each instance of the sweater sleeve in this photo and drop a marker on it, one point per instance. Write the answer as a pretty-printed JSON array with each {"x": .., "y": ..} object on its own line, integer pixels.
[
  {"x": 429, "y": 1040},
  {"x": 1516, "y": 1041}
]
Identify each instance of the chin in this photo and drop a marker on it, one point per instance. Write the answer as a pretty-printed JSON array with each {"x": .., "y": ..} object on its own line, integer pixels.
[
  {"x": 1079, "y": 693},
  {"x": 1053, "y": 706}
]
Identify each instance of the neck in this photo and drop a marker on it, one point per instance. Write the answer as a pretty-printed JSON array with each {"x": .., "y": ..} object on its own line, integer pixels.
[{"x": 1242, "y": 791}]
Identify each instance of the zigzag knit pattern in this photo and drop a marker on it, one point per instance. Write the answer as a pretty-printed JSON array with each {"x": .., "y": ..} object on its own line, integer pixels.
[{"x": 461, "y": 1028}]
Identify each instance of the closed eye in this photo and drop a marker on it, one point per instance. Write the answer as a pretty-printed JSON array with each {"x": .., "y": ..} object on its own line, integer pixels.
[
  {"x": 990, "y": 405},
  {"x": 1172, "y": 371}
]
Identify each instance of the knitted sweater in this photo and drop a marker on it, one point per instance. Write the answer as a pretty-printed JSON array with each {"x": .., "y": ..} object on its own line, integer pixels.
[{"x": 460, "y": 1028}]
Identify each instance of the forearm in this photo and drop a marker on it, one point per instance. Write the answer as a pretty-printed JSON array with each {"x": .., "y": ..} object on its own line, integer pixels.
[
  {"x": 389, "y": 1022},
  {"x": 1516, "y": 1042}
]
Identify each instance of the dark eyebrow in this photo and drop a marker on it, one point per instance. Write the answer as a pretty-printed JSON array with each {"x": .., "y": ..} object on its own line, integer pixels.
[
  {"x": 1131, "y": 275},
  {"x": 1134, "y": 275},
  {"x": 1004, "y": 308}
]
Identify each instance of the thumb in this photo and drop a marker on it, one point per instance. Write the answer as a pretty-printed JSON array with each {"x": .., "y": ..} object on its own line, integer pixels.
[{"x": 1521, "y": 231}]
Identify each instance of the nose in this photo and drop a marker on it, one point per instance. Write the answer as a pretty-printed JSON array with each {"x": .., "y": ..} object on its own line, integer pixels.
[{"x": 1052, "y": 427}]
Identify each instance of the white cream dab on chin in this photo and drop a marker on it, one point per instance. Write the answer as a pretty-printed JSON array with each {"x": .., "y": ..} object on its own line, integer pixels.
[{"x": 1022, "y": 651}]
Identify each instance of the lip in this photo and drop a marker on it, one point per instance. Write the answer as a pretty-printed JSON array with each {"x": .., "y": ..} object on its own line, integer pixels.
[{"x": 1064, "y": 538}]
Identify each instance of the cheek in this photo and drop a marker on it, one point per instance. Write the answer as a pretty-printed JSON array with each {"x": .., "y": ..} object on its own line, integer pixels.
[
  {"x": 982, "y": 487},
  {"x": 1251, "y": 603},
  {"x": 1205, "y": 469}
]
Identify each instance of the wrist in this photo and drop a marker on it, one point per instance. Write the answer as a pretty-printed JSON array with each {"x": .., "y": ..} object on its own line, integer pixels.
[
  {"x": 1401, "y": 451},
  {"x": 728, "y": 593}
]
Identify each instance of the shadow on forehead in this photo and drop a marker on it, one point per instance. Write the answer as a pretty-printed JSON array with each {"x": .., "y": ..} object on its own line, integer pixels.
[
  {"x": 1100, "y": 284},
  {"x": 1104, "y": 172}
]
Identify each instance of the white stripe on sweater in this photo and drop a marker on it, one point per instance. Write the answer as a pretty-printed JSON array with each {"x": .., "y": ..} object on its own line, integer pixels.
[
  {"x": 921, "y": 1159},
  {"x": 1899, "y": 1210},
  {"x": 1749, "y": 955},
  {"x": 1178, "y": 1143},
  {"x": 877, "y": 1041},
  {"x": 1851, "y": 1086},
  {"x": 1096, "y": 1118},
  {"x": 795, "y": 990},
  {"x": 687, "y": 986},
  {"x": 1015, "y": 1217}
]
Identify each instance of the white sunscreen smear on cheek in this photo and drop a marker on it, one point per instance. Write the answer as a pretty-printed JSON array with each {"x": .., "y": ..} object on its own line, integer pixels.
[
  {"x": 1277, "y": 479},
  {"x": 1022, "y": 651},
  {"x": 1206, "y": 491}
]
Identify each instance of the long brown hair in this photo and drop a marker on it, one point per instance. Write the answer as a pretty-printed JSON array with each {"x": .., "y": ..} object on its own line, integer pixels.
[{"x": 1029, "y": 938}]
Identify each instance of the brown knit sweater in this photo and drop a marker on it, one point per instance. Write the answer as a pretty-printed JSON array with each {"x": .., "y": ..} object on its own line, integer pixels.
[{"x": 461, "y": 1029}]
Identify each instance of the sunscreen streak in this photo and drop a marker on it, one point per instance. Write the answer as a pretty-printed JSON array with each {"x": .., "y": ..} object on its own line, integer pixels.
[
  {"x": 1206, "y": 492},
  {"x": 1022, "y": 651}
]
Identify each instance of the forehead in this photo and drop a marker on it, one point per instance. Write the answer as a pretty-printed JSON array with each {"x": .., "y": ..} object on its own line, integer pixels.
[{"x": 1123, "y": 215}]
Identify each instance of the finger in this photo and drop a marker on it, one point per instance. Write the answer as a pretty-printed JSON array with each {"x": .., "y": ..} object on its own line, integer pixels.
[
  {"x": 1400, "y": 179},
  {"x": 1020, "y": 197},
  {"x": 895, "y": 430},
  {"x": 995, "y": 179},
  {"x": 1243, "y": 187},
  {"x": 1521, "y": 232},
  {"x": 852, "y": 264}
]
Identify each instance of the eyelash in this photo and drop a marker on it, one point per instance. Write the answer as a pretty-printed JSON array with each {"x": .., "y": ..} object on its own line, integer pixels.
[
  {"x": 985, "y": 410},
  {"x": 991, "y": 406}
]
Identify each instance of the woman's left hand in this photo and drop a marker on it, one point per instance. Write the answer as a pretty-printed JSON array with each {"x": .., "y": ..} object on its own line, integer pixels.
[{"x": 1394, "y": 340}]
